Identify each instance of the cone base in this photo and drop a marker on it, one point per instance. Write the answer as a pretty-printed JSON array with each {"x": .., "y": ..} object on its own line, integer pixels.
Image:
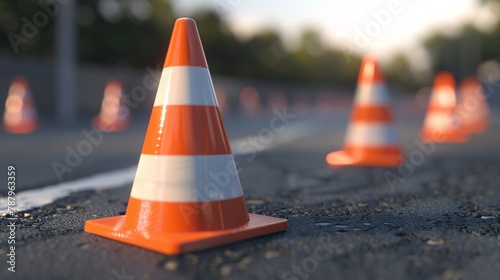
[
  {"x": 25, "y": 128},
  {"x": 183, "y": 242},
  {"x": 344, "y": 158},
  {"x": 444, "y": 137}
]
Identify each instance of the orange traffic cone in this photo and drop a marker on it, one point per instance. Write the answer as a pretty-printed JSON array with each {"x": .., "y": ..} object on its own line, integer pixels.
[
  {"x": 441, "y": 124},
  {"x": 472, "y": 108},
  {"x": 20, "y": 113},
  {"x": 186, "y": 194},
  {"x": 371, "y": 138},
  {"x": 114, "y": 114}
]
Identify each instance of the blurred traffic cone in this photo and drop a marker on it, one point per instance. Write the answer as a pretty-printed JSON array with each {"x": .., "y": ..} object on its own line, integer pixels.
[
  {"x": 114, "y": 114},
  {"x": 472, "y": 108},
  {"x": 20, "y": 113},
  {"x": 441, "y": 124},
  {"x": 371, "y": 138},
  {"x": 250, "y": 102},
  {"x": 186, "y": 195}
]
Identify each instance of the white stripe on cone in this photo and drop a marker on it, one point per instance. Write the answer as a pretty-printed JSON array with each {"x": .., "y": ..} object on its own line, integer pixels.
[
  {"x": 370, "y": 134},
  {"x": 372, "y": 94},
  {"x": 170, "y": 178},
  {"x": 185, "y": 85}
]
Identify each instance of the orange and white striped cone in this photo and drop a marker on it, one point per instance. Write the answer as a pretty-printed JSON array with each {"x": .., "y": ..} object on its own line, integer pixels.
[
  {"x": 371, "y": 138},
  {"x": 472, "y": 108},
  {"x": 441, "y": 124},
  {"x": 114, "y": 114},
  {"x": 186, "y": 195},
  {"x": 20, "y": 116}
]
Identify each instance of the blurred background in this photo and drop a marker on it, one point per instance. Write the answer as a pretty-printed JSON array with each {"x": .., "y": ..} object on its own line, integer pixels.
[{"x": 305, "y": 53}]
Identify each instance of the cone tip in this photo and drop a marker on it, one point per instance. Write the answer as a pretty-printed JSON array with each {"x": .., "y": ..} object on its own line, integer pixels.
[
  {"x": 370, "y": 57},
  {"x": 444, "y": 79},
  {"x": 114, "y": 81},
  {"x": 370, "y": 72},
  {"x": 185, "y": 19},
  {"x": 185, "y": 47},
  {"x": 20, "y": 80},
  {"x": 113, "y": 87},
  {"x": 470, "y": 81}
]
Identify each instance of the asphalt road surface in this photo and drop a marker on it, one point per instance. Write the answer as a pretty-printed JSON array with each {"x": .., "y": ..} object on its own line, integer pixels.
[{"x": 440, "y": 219}]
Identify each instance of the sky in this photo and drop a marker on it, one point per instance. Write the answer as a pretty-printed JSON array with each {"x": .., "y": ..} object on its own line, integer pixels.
[{"x": 380, "y": 27}]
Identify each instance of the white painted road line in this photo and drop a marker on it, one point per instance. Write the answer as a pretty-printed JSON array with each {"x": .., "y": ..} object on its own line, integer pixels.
[{"x": 30, "y": 199}]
